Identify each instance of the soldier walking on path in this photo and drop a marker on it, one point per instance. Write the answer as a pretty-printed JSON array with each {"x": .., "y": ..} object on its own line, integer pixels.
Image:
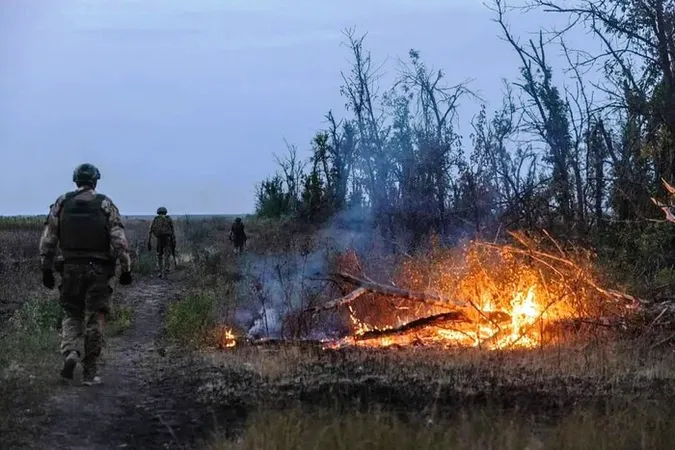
[
  {"x": 165, "y": 239},
  {"x": 238, "y": 236},
  {"x": 88, "y": 228}
]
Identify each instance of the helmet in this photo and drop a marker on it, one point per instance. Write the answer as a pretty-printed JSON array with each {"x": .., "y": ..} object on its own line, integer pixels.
[
  {"x": 238, "y": 219},
  {"x": 162, "y": 211},
  {"x": 86, "y": 174}
]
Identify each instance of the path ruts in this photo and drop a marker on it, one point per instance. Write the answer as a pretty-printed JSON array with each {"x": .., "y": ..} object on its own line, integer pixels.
[{"x": 136, "y": 407}]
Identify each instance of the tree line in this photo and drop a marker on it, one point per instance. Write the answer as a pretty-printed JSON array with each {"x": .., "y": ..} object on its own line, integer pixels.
[{"x": 552, "y": 156}]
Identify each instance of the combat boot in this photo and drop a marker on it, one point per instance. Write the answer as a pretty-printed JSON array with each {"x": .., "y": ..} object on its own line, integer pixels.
[
  {"x": 92, "y": 381},
  {"x": 89, "y": 377},
  {"x": 69, "y": 364}
]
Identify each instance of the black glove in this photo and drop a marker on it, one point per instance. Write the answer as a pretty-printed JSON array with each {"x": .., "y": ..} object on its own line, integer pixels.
[
  {"x": 48, "y": 279},
  {"x": 125, "y": 278}
]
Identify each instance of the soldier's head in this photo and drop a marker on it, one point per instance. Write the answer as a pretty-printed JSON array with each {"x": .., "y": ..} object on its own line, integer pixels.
[
  {"x": 86, "y": 175},
  {"x": 162, "y": 211},
  {"x": 238, "y": 219}
]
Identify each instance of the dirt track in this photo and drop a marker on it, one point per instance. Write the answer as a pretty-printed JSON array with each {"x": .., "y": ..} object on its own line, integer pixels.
[{"x": 137, "y": 406}]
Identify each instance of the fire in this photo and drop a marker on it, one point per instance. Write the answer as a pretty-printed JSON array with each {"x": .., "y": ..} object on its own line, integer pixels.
[
  {"x": 512, "y": 294},
  {"x": 524, "y": 312},
  {"x": 226, "y": 338}
]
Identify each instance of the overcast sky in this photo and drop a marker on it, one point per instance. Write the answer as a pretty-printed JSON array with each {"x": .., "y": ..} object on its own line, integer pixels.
[{"x": 183, "y": 103}]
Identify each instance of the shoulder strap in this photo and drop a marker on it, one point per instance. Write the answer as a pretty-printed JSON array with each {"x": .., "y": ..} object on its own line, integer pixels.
[
  {"x": 69, "y": 195},
  {"x": 73, "y": 194}
]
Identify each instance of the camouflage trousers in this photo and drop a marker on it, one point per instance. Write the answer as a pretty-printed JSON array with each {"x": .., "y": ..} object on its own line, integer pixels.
[
  {"x": 163, "y": 246},
  {"x": 238, "y": 245},
  {"x": 85, "y": 295}
]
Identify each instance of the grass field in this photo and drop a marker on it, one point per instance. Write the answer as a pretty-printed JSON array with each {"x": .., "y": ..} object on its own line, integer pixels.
[{"x": 599, "y": 390}]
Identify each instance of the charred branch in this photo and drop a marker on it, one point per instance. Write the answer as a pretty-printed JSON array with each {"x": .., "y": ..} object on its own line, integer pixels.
[
  {"x": 438, "y": 321},
  {"x": 391, "y": 291}
]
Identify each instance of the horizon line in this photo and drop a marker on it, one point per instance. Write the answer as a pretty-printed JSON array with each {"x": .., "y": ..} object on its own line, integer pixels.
[{"x": 138, "y": 215}]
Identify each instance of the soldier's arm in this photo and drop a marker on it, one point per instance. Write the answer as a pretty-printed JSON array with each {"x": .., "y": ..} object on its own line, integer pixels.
[
  {"x": 50, "y": 236},
  {"x": 119, "y": 246},
  {"x": 171, "y": 225},
  {"x": 152, "y": 227}
]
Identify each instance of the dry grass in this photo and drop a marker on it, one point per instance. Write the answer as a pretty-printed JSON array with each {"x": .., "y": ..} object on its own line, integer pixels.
[
  {"x": 602, "y": 362},
  {"x": 632, "y": 428},
  {"x": 600, "y": 390},
  {"x": 596, "y": 397}
]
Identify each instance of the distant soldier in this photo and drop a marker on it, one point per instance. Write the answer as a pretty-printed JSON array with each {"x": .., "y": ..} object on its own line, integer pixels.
[
  {"x": 238, "y": 235},
  {"x": 88, "y": 228},
  {"x": 165, "y": 239}
]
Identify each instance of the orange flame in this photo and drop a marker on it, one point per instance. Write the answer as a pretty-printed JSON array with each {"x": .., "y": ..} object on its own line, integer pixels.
[
  {"x": 226, "y": 338},
  {"x": 513, "y": 293}
]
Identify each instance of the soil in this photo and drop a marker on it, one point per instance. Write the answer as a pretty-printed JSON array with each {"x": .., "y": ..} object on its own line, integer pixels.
[{"x": 136, "y": 406}]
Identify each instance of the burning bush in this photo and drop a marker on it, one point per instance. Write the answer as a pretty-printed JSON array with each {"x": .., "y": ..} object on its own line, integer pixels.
[{"x": 482, "y": 294}]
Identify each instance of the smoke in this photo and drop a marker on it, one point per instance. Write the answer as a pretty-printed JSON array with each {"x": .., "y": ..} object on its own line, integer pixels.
[{"x": 277, "y": 286}]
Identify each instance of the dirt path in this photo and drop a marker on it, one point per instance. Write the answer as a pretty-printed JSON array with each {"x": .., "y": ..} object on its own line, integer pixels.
[{"x": 134, "y": 408}]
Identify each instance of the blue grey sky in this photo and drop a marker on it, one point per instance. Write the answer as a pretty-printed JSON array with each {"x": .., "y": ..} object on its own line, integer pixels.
[{"x": 184, "y": 103}]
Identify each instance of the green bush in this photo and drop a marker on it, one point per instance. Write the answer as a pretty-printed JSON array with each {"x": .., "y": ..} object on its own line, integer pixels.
[
  {"x": 120, "y": 319},
  {"x": 145, "y": 263},
  {"x": 29, "y": 357},
  {"x": 36, "y": 314},
  {"x": 192, "y": 319}
]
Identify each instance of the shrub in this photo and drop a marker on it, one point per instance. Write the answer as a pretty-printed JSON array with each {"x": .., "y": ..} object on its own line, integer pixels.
[
  {"x": 120, "y": 319},
  {"x": 192, "y": 319},
  {"x": 37, "y": 314}
]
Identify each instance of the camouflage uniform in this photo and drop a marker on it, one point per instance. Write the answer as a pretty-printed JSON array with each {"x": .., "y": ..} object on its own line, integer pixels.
[
  {"x": 86, "y": 271},
  {"x": 238, "y": 235},
  {"x": 165, "y": 239}
]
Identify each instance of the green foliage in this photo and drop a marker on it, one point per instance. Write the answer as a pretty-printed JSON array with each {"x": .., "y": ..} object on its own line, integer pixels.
[
  {"x": 322, "y": 189},
  {"x": 120, "y": 320},
  {"x": 29, "y": 344},
  {"x": 146, "y": 262},
  {"x": 640, "y": 255},
  {"x": 21, "y": 223},
  {"x": 314, "y": 204},
  {"x": 273, "y": 199},
  {"x": 191, "y": 319},
  {"x": 37, "y": 314}
]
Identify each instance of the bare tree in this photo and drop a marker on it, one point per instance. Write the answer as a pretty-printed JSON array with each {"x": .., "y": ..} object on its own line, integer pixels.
[
  {"x": 639, "y": 61},
  {"x": 292, "y": 169},
  {"x": 546, "y": 115},
  {"x": 375, "y": 165},
  {"x": 436, "y": 140}
]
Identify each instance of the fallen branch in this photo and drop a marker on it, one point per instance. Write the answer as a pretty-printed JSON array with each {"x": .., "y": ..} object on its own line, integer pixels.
[
  {"x": 390, "y": 291},
  {"x": 662, "y": 341},
  {"x": 542, "y": 258},
  {"x": 340, "y": 301},
  {"x": 437, "y": 320}
]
